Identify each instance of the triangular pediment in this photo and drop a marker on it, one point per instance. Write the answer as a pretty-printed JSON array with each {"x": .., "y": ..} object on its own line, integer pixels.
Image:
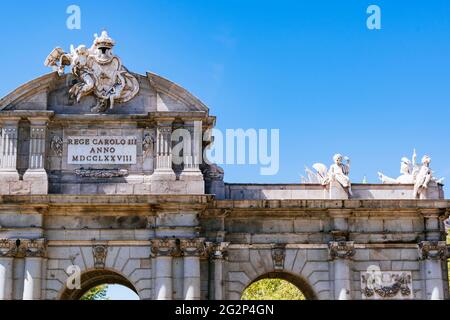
[{"x": 51, "y": 92}]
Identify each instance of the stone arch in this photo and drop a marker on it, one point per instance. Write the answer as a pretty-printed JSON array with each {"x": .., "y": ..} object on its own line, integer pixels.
[
  {"x": 93, "y": 278},
  {"x": 309, "y": 267},
  {"x": 294, "y": 279}
]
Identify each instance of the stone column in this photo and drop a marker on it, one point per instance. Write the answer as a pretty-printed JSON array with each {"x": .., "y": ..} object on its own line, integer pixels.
[
  {"x": 36, "y": 172},
  {"x": 434, "y": 255},
  {"x": 341, "y": 253},
  {"x": 8, "y": 149},
  {"x": 163, "y": 163},
  {"x": 162, "y": 252},
  {"x": 192, "y": 249},
  {"x": 218, "y": 257},
  {"x": 192, "y": 149},
  {"x": 32, "y": 282},
  {"x": 34, "y": 257},
  {"x": 192, "y": 153},
  {"x": 6, "y": 269}
]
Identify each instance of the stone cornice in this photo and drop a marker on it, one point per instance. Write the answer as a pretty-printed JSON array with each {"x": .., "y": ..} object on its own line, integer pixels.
[
  {"x": 211, "y": 208},
  {"x": 23, "y": 114},
  {"x": 34, "y": 86}
]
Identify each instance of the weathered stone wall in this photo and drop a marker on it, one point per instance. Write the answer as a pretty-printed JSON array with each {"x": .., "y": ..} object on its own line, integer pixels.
[{"x": 177, "y": 231}]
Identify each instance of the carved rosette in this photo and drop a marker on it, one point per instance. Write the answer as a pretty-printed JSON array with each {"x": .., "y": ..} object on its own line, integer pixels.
[
  {"x": 164, "y": 248},
  {"x": 21, "y": 248},
  {"x": 278, "y": 255},
  {"x": 193, "y": 247},
  {"x": 433, "y": 250},
  {"x": 99, "y": 252},
  {"x": 341, "y": 249},
  {"x": 218, "y": 250}
]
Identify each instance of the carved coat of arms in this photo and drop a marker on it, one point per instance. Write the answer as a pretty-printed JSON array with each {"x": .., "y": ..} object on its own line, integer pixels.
[{"x": 98, "y": 72}]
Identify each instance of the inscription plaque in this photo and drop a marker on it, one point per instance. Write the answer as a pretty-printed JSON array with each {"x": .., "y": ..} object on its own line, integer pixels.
[{"x": 101, "y": 149}]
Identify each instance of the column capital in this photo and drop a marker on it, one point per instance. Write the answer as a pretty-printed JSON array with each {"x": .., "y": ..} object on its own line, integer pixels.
[
  {"x": 218, "y": 250},
  {"x": 193, "y": 247},
  {"x": 164, "y": 248},
  {"x": 7, "y": 248},
  {"x": 433, "y": 250},
  {"x": 341, "y": 249},
  {"x": 23, "y": 247}
]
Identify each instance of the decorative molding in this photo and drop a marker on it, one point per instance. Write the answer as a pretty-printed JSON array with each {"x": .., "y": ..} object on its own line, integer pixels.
[
  {"x": 218, "y": 250},
  {"x": 56, "y": 144},
  {"x": 193, "y": 247},
  {"x": 433, "y": 250},
  {"x": 7, "y": 248},
  {"x": 164, "y": 247},
  {"x": 278, "y": 255},
  {"x": 212, "y": 172},
  {"x": 99, "y": 251},
  {"x": 21, "y": 248},
  {"x": 386, "y": 285},
  {"x": 101, "y": 173},
  {"x": 341, "y": 249},
  {"x": 148, "y": 144},
  {"x": 35, "y": 247},
  {"x": 99, "y": 73}
]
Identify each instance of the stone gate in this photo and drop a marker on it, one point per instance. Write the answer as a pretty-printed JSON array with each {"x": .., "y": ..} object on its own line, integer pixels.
[{"x": 88, "y": 183}]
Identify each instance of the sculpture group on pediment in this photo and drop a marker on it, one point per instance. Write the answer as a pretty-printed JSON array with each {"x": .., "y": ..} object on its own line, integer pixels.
[
  {"x": 419, "y": 175},
  {"x": 338, "y": 172},
  {"x": 98, "y": 72},
  {"x": 413, "y": 173}
]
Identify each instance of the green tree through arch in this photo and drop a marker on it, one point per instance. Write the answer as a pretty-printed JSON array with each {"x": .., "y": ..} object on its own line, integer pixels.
[
  {"x": 272, "y": 289},
  {"x": 96, "y": 293}
]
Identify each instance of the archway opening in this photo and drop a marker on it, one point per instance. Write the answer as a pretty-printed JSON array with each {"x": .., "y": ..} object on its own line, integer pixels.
[
  {"x": 278, "y": 286},
  {"x": 110, "y": 292},
  {"x": 101, "y": 285}
]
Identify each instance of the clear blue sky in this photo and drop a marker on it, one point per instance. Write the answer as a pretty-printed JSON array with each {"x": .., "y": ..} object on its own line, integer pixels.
[{"x": 310, "y": 68}]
